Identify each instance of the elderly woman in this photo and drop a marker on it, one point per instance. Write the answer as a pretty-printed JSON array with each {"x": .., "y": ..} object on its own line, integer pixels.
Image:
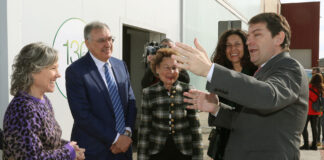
[
  {"x": 30, "y": 128},
  {"x": 167, "y": 129}
]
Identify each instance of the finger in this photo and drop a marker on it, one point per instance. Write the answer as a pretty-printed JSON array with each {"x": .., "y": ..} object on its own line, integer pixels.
[
  {"x": 81, "y": 149},
  {"x": 190, "y": 94},
  {"x": 186, "y": 49},
  {"x": 180, "y": 50},
  {"x": 83, "y": 156},
  {"x": 114, "y": 150},
  {"x": 73, "y": 143},
  {"x": 172, "y": 44},
  {"x": 76, "y": 147},
  {"x": 196, "y": 92},
  {"x": 180, "y": 59},
  {"x": 198, "y": 46},
  {"x": 181, "y": 65},
  {"x": 192, "y": 101},
  {"x": 191, "y": 107}
]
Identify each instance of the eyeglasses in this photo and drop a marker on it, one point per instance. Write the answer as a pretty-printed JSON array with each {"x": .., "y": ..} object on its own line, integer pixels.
[
  {"x": 230, "y": 46},
  {"x": 103, "y": 40},
  {"x": 167, "y": 68}
]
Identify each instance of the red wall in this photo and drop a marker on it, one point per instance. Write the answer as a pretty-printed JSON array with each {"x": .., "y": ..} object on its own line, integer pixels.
[{"x": 304, "y": 19}]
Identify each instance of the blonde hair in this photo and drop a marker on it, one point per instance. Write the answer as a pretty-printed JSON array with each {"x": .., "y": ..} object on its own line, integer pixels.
[{"x": 31, "y": 59}]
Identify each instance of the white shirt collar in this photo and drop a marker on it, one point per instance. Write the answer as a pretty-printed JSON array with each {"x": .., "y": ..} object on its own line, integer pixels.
[{"x": 100, "y": 64}]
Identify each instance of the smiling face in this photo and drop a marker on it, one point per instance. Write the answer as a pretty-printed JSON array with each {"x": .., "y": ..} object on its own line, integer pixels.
[
  {"x": 100, "y": 43},
  {"x": 234, "y": 48},
  {"x": 44, "y": 81},
  {"x": 167, "y": 71},
  {"x": 262, "y": 46}
]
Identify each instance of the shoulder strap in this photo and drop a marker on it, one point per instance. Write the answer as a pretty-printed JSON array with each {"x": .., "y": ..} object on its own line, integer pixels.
[
  {"x": 318, "y": 95},
  {"x": 314, "y": 91}
]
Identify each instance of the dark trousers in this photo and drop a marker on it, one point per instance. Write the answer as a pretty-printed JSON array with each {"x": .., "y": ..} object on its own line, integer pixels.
[
  {"x": 218, "y": 139},
  {"x": 320, "y": 129},
  {"x": 170, "y": 152},
  {"x": 314, "y": 125}
]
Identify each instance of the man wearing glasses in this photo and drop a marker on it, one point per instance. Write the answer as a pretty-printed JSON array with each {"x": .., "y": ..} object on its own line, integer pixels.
[{"x": 101, "y": 99}]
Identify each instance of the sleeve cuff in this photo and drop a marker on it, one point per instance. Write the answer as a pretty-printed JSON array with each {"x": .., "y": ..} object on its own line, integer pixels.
[
  {"x": 116, "y": 138},
  {"x": 215, "y": 115},
  {"x": 129, "y": 129},
  {"x": 210, "y": 73},
  {"x": 72, "y": 151}
]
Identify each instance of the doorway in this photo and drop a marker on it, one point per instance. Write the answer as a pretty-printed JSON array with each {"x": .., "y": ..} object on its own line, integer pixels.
[{"x": 134, "y": 42}]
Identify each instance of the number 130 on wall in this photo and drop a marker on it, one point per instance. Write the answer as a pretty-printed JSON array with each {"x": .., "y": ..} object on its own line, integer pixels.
[
  {"x": 69, "y": 42},
  {"x": 75, "y": 48}
]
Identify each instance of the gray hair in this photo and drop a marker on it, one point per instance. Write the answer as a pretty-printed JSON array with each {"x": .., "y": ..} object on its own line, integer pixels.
[
  {"x": 91, "y": 26},
  {"x": 31, "y": 59}
]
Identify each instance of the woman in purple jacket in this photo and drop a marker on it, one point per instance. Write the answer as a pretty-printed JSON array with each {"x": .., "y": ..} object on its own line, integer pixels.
[{"x": 30, "y": 128}]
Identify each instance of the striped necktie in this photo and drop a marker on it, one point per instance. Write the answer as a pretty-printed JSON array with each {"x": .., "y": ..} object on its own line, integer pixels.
[{"x": 115, "y": 100}]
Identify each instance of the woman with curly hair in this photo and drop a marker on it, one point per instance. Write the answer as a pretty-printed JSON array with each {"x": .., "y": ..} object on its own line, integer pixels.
[{"x": 231, "y": 52}]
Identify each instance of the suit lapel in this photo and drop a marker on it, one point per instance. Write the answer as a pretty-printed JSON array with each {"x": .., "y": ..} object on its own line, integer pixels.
[
  {"x": 270, "y": 64},
  {"x": 93, "y": 70}
]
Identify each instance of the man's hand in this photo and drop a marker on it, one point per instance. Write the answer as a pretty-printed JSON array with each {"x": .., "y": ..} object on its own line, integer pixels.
[
  {"x": 79, "y": 152},
  {"x": 206, "y": 102},
  {"x": 193, "y": 59},
  {"x": 122, "y": 144}
]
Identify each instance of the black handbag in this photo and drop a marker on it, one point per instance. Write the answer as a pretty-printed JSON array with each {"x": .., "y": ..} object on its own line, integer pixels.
[{"x": 218, "y": 139}]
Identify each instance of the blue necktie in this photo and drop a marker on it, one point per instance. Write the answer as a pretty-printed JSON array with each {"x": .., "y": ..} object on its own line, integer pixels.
[{"x": 115, "y": 99}]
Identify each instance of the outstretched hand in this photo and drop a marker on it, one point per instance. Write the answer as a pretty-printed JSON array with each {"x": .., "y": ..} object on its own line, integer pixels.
[
  {"x": 193, "y": 59},
  {"x": 203, "y": 101}
]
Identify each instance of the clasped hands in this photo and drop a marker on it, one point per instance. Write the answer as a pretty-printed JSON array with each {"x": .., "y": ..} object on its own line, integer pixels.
[
  {"x": 122, "y": 144},
  {"x": 79, "y": 152}
]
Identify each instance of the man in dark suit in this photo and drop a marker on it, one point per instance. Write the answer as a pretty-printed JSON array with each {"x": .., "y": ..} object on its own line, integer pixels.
[
  {"x": 101, "y": 99},
  {"x": 274, "y": 100}
]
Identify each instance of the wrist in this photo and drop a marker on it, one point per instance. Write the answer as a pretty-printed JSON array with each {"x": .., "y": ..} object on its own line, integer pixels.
[
  {"x": 206, "y": 70},
  {"x": 128, "y": 133},
  {"x": 216, "y": 108}
]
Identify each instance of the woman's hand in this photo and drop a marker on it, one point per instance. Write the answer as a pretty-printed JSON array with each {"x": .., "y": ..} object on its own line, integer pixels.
[{"x": 79, "y": 152}]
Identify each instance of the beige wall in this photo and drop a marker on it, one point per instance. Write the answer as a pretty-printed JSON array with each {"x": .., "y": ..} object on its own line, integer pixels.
[{"x": 270, "y": 6}]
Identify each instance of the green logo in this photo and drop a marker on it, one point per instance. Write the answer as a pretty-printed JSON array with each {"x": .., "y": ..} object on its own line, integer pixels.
[{"x": 70, "y": 44}]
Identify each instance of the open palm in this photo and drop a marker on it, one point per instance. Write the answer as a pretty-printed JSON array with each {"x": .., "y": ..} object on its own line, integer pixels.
[{"x": 203, "y": 101}]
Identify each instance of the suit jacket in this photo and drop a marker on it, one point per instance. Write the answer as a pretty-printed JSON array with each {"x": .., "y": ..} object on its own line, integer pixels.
[
  {"x": 274, "y": 109},
  {"x": 91, "y": 107},
  {"x": 156, "y": 125}
]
